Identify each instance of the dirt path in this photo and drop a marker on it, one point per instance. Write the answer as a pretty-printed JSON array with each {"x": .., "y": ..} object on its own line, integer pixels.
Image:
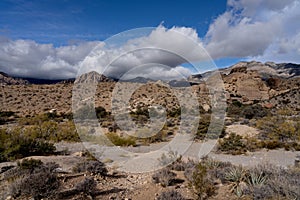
[{"x": 278, "y": 157}]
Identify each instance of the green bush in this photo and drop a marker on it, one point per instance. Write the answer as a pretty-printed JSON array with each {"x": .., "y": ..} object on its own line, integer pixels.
[
  {"x": 29, "y": 163},
  {"x": 254, "y": 111},
  {"x": 17, "y": 145},
  {"x": 236, "y": 109},
  {"x": 232, "y": 144},
  {"x": 121, "y": 141},
  {"x": 201, "y": 183},
  {"x": 205, "y": 131},
  {"x": 52, "y": 131},
  {"x": 280, "y": 132}
]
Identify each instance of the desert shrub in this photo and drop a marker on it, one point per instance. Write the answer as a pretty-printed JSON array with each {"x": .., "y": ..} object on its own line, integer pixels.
[
  {"x": 170, "y": 195},
  {"x": 280, "y": 132},
  {"x": 17, "y": 145},
  {"x": 202, "y": 127},
  {"x": 272, "y": 144},
  {"x": 189, "y": 168},
  {"x": 174, "y": 112},
  {"x": 36, "y": 120},
  {"x": 101, "y": 112},
  {"x": 41, "y": 182},
  {"x": 121, "y": 141},
  {"x": 85, "y": 112},
  {"x": 235, "y": 109},
  {"x": 217, "y": 169},
  {"x": 170, "y": 157},
  {"x": 68, "y": 115},
  {"x": 5, "y": 116},
  {"x": 87, "y": 186},
  {"x": 29, "y": 163},
  {"x": 232, "y": 144},
  {"x": 45, "y": 130},
  {"x": 52, "y": 131},
  {"x": 164, "y": 177},
  {"x": 201, "y": 183},
  {"x": 178, "y": 164},
  {"x": 160, "y": 136},
  {"x": 140, "y": 115},
  {"x": 91, "y": 166},
  {"x": 254, "y": 111},
  {"x": 272, "y": 182},
  {"x": 216, "y": 131},
  {"x": 253, "y": 143},
  {"x": 66, "y": 132}
]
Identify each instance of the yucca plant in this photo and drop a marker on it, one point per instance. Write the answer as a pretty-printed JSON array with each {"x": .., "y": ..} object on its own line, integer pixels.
[
  {"x": 256, "y": 179},
  {"x": 237, "y": 176},
  {"x": 211, "y": 163}
]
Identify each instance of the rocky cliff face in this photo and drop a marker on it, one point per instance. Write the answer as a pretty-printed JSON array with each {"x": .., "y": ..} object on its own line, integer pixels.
[
  {"x": 250, "y": 82},
  {"x": 92, "y": 77},
  {"x": 8, "y": 80}
]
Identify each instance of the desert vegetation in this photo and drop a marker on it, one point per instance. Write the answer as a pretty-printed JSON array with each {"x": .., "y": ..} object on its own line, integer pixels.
[{"x": 38, "y": 136}]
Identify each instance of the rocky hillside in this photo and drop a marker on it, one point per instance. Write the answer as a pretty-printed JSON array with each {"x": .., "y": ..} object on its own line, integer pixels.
[
  {"x": 92, "y": 77},
  {"x": 273, "y": 85},
  {"x": 8, "y": 80}
]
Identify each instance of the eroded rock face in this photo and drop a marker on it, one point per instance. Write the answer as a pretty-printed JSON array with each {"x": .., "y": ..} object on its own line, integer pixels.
[
  {"x": 7, "y": 80},
  {"x": 246, "y": 86}
]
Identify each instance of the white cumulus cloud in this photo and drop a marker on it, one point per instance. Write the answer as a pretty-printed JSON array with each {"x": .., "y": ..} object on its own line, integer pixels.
[
  {"x": 263, "y": 30},
  {"x": 256, "y": 29}
]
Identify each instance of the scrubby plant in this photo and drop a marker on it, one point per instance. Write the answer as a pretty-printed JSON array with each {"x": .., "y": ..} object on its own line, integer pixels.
[
  {"x": 170, "y": 195},
  {"x": 271, "y": 182},
  {"x": 254, "y": 111},
  {"x": 168, "y": 158},
  {"x": 200, "y": 182},
  {"x": 15, "y": 144},
  {"x": 86, "y": 111},
  {"x": 232, "y": 144},
  {"x": 101, "y": 112},
  {"x": 205, "y": 131},
  {"x": 29, "y": 163},
  {"x": 164, "y": 177},
  {"x": 87, "y": 186},
  {"x": 5, "y": 116},
  {"x": 280, "y": 132},
  {"x": 174, "y": 112},
  {"x": 91, "y": 166},
  {"x": 121, "y": 141},
  {"x": 40, "y": 182},
  {"x": 66, "y": 132}
]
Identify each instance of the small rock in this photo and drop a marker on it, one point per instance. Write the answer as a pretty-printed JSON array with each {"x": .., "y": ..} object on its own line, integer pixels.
[{"x": 9, "y": 198}]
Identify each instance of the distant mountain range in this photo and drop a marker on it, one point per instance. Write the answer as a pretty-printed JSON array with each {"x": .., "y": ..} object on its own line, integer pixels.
[{"x": 266, "y": 70}]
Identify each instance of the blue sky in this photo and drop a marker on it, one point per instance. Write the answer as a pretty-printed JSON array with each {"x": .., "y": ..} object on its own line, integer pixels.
[
  {"x": 53, "y": 38},
  {"x": 62, "y": 21}
]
